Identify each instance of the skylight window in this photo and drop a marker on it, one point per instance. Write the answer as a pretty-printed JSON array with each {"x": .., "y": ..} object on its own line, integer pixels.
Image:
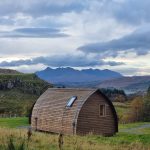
[{"x": 71, "y": 101}]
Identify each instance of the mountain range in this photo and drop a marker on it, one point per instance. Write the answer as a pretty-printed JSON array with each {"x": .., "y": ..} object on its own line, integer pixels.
[
  {"x": 69, "y": 76},
  {"x": 96, "y": 78}
]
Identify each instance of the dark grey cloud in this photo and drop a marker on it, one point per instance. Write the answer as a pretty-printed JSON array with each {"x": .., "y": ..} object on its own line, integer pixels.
[
  {"x": 62, "y": 61},
  {"x": 33, "y": 33},
  {"x": 138, "y": 41},
  {"x": 38, "y": 8},
  {"x": 114, "y": 63},
  {"x": 133, "y": 11},
  {"x": 126, "y": 11}
]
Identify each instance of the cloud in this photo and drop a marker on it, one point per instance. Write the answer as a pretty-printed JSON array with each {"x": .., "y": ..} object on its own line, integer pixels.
[
  {"x": 111, "y": 27},
  {"x": 133, "y": 11},
  {"x": 138, "y": 42},
  {"x": 114, "y": 63},
  {"x": 38, "y": 8},
  {"x": 62, "y": 61},
  {"x": 125, "y": 11},
  {"x": 33, "y": 33}
]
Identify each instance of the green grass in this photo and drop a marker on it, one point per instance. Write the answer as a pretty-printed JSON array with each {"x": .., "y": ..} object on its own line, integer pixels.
[
  {"x": 14, "y": 122},
  {"x": 124, "y": 138},
  {"x": 145, "y": 130},
  {"x": 16, "y": 102},
  {"x": 132, "y": 125},
  {"x": 43, "y": 141},
  {"x": 139, "y": 128}
]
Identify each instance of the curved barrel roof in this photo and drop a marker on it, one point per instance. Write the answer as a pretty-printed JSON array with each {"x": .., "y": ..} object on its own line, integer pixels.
[{"x": 51, "y": 107}]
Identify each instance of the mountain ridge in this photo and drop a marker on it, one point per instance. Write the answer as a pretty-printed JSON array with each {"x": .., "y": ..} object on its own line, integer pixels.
[{"x": 70, "y": 75}]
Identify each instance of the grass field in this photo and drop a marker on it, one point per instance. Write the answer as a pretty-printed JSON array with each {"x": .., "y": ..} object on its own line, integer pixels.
[
  {"x": 42, "y": 141},
  {"x": 132, "y": 125},
  {"x": 14, "y": 122}
]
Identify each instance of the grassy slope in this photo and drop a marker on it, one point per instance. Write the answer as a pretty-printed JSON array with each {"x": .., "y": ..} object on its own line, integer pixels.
[
  {"x": 16, "y": 101},
  {"x": 22, "y": 96},
  {"x": 121, "y": 141}
]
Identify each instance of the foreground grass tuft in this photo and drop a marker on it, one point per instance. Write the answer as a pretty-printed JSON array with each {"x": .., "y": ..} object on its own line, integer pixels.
[{"x": 43, "y": 141}]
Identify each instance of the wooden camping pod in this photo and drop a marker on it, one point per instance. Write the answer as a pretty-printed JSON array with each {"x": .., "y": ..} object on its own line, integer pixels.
[{"x": 74, "y": 111}]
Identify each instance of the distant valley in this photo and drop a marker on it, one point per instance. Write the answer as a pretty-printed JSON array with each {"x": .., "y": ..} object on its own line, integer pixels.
[
  {"x": 128, "y": 84},
  {"x": 96, "y": 78}
]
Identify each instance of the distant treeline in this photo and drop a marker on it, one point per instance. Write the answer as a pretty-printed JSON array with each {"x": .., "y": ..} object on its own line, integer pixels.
[
  {"x": 139, "y": 109},
  {"x": 115, "y": 95}
]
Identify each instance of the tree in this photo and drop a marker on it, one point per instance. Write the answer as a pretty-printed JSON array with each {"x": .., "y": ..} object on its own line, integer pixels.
[
  {"x": 146, "y": 112},
  {"x": 148, "y": 92},
  {"x": 137, "y": 107}
]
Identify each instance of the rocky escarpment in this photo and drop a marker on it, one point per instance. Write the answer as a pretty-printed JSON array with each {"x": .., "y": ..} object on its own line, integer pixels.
[
  {"x": 18, "y": 93},
  {"x": 26, "y": 83}
]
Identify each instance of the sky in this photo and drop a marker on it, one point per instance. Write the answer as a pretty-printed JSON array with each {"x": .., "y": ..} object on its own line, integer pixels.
[{"x": 102, "y": 34}]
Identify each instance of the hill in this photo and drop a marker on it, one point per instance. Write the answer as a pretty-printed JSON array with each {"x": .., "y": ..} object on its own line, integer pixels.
[
  {"x": 18, "y": 92},
  {"x": 8, "y": 71},
  {"x": 72, "y": 77},
  {"x": 129, "y": 84}
]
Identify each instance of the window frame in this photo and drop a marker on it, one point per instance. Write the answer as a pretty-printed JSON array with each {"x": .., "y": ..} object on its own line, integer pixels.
[
  {"x": 104, "y": 110},
  {"x": 71, "y": 101}
]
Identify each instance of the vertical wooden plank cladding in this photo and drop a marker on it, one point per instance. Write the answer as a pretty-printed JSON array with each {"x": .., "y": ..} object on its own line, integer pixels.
[
  {"x": 89, "y": 120},
  {"x": 53, "y": 116},
  {"x": 51, "y": 111}
]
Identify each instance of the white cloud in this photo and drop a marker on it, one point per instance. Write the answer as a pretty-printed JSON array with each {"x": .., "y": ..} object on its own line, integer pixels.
[
  {"x": 27, "y": 68},
  {"x": 62, "y": 60},
  {"x": 85, "y": 21}
]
